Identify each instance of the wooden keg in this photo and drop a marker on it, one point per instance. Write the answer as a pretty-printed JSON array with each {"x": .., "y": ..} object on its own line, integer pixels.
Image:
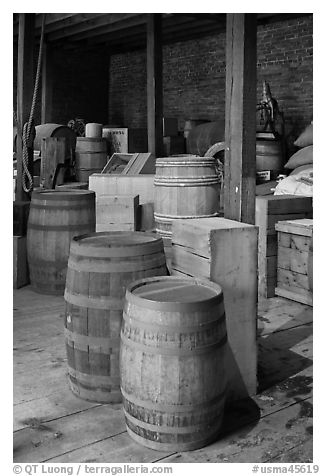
[
  {"x": 91, "y": 157},
  {"x": 93, "y": 129},
  {"x": 54, "y": 218},
  {"x": 185, "y": 187},
  {"x": 269, "y": 158},
  {"x": 100, "y": 267},
  {"x": 172, "y": 351}
]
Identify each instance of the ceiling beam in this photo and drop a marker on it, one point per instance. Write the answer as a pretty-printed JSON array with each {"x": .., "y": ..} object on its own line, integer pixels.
[{"x": 95, "y": 26}]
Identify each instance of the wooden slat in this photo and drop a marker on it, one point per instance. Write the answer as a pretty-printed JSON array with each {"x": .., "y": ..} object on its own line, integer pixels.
[
  {"x": 103, "y": 23},
  {"x": 240, "y": 114},
  {"x": 154, "y": 84}
]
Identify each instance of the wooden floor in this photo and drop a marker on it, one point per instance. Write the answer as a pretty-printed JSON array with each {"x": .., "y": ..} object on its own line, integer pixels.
[{"x": 52, "y": 425}]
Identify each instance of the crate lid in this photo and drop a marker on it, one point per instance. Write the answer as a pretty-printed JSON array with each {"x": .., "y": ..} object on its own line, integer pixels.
[{"x": 303, "y": 226}]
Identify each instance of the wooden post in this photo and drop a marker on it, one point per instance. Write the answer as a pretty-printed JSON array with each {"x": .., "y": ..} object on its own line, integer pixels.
[
  {"x": 154, "y": 84},
  {"x": 25, "y": 84},
  {"x": 47, "y": 84},
  {"x": 240, "y": 117}
]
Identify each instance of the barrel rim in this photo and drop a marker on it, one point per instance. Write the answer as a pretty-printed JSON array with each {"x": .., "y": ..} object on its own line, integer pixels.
[
  {"x": 175, "y": 305},
  {"x": 60, "y": 194},
  {"x": 91, "y": 139},
  {"x": 154, "y": 240}
]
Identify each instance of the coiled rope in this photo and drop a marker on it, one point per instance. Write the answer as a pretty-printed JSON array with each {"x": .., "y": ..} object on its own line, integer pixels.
[{"x": 25, "y": 134}]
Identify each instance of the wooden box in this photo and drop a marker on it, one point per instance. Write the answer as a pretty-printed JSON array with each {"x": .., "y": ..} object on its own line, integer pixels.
[
  {"x": 225, "y": 251},
  {"x": 20, "y": 266},
  {"x": 269, "y": 210},
  {"x": 125, "y": 140},
  {"x": 111, "y": 184},
  {"x": 294, "y": 253},
  {"x": 116, "y": 213}
]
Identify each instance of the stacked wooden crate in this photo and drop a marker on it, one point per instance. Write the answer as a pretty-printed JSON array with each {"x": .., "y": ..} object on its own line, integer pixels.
[
  {"x": 293, "y": 260},
  {"x": 123, "y": 186},
  {"x": 269, "y": 210},
  {"x": 116, "y": 212},
  {"x": 225, "y": 252}
]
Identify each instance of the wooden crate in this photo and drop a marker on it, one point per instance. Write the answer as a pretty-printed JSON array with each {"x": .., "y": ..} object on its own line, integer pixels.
[
  {"x": 225, "y": 251},
  {"x": 294, "y": 239},
  {"x": 116, "y": 212},
  {"x": 20, "y": 266},
  {"x": 110, "y": 184},
  {"x": 269, "y": 210}
]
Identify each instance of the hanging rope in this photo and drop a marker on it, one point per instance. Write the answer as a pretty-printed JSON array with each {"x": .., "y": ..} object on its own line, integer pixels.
[{"x": 27, "y": 133}]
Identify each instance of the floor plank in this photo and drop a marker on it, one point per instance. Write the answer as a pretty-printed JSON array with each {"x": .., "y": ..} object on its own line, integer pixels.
[{"x": 51, "y": 424}]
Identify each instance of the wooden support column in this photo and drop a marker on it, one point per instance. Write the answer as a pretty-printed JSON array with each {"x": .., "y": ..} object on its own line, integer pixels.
[
  {"x": 154, "y": 84},
  {"x": 47, "y": 84},
  {"x": 240, "y": 117},
  {"x": 25, "y": 85}
]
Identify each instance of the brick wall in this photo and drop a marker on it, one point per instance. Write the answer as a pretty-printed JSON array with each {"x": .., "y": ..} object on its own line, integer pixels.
[{"x": 194, "y": 77}]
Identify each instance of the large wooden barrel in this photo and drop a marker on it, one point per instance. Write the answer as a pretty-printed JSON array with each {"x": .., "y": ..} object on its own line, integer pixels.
[
  {"x": 185, "y": 187},
  {"x": 172, "y": 351},
  {"x": 269, "y": 158},
  {"x": 91, "y": 157},
  {"x": 100, "y": 267},
  {"x": 202, "y": 137},
  {"x": 54, "y": 218}
]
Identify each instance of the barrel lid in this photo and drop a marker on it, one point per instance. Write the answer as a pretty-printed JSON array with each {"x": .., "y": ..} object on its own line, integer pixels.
[
  {"x": 116, "y": 244},
  {"x": 169, "y": 293},
  {"x": 184, "y": 159},
  {"x": 90, "y": 139},
  {"x": 60, "y": 194}
]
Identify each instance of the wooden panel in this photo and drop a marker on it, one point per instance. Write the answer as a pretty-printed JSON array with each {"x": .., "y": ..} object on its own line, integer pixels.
[
  {"x": 115, "y": 213},
  {"x": 20, "y": 266},
  {"x": 142, "y": 185},
  {"x": 240, "y": 114},
  {"x": 296, "y": 294},
  {"x": 290, "y": 279},
  {"x": 269, "y": 210},
  {"x": 154, "y": 84},
  {"x": 297, "y": 227},
  {"x": 231, "y": 247},
  {"x": 188, "y": 262},
  {"x": 296, "y": 242},
  {"x": 292, "y": 260}
]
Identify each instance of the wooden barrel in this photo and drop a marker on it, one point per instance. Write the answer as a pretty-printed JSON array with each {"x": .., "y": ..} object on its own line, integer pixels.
[
  {"x": 185, "y": 187},
  {"x": 173, "y": 379},
  {"x": 93, "y": 129},
  {"x": 54, "y": 218},
  {"x": 91, "y": 157},
  {"x": 269, "y": 158},
  {"x": 100, "y": 267},
  {"x": 202, "y": 137}
]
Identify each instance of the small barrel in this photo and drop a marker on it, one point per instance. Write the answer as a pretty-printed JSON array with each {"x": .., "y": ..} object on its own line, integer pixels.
[
  {"x": 91, "y": 157},
  {"x": 172, "y": 352},
  {"x": 269, "y": 159},
  {"x": 93, "y": 129},
  {"x": 55, "y": 217},
  {"x": 185, "y": 187},
  {"x": 100, "y": 267}
]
